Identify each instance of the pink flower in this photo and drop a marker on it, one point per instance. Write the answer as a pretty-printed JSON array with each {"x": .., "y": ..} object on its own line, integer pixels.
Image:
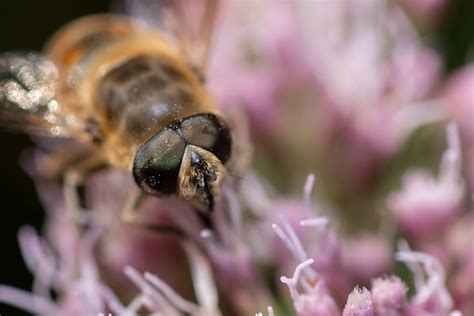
[
  {"x": 359, "y": 303},
  {"x": 292, "y": 65},
  {"x": 73, "y": 276},
  {"x": 313, "y": 238},
  {"x": 314, "y": 300},
  {"x": 352, "y": 45},
  {"x": 431, "y": 295},
  {"x": 320, "y": 241},
  {"x": 157, "y": 296},
  {"x": 425, "y": 205},
  {"x": 389, "y": 296}
]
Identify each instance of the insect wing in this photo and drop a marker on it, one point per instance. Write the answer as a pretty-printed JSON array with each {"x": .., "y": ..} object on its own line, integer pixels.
[
  {"x": 28, "y": 90},
  {"x": 189, "y": 23}
]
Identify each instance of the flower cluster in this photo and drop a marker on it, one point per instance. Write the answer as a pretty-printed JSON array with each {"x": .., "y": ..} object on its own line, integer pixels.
[{"x": 75, "y": 276}]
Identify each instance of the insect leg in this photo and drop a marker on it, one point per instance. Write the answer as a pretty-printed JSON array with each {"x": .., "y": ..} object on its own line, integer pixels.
[
  {"x": 130, "y": 215},
  {"x": 54, "y": 165},
  {"x": 73, "y": 179},
  {"x": 130, "y": 210}
]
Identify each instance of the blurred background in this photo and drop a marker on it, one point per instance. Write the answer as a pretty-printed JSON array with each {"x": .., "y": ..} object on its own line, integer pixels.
[{"x": 27, "y": 25}]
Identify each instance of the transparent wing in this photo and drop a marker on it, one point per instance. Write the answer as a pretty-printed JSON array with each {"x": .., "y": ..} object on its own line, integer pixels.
[
  {"x": 28, "y": 90},
  {"x": 190, "y": 23}
]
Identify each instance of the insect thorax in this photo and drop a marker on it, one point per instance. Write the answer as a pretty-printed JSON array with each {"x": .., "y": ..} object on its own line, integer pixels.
[{"x": 145, "y": 94}]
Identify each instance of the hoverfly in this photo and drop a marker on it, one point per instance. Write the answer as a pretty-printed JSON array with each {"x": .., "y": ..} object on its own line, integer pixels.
[{"x": 134, "y": 96}]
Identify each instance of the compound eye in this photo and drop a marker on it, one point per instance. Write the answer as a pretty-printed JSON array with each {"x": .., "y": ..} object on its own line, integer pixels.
[
  {"x": 157, "y": 163},
  {"x": 209, "y": 132}
]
